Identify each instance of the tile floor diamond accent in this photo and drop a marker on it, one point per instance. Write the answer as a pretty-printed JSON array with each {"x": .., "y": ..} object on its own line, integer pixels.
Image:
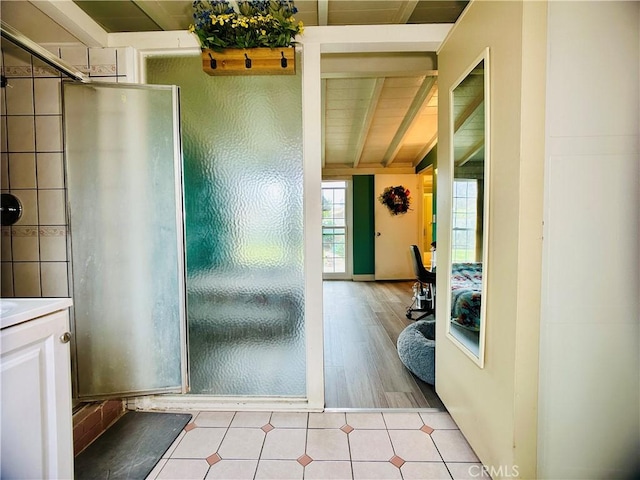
[
  {"x": 427, "y": 429},
  {"x": 347, "y": 428},
  {"x": 329, "y": 446}
]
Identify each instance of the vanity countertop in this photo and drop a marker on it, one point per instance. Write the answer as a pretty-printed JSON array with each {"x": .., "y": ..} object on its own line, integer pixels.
[{"x": 17, "y": 310}]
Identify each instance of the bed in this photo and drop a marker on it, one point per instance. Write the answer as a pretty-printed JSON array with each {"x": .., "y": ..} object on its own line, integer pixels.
[{"x": 466, "y": 295}]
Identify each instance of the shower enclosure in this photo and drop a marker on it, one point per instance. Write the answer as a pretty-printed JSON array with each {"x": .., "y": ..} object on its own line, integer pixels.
[{"x": 229, "y": 323}]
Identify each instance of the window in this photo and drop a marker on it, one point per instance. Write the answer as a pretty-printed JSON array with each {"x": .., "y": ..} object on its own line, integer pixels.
[
  {"x": 334, "y": 227},
  {"x": 465, "y": 213}
]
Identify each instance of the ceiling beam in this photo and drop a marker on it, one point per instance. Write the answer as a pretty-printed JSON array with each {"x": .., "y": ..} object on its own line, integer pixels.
[
  {"x": 372, "y": 65},
  {"x": 342, "y": 171},
  {"x": 73, "y": 19},
  {"x": 469, "y": 112},
  {"x": 405, "y": 11},
  {"x": 156, "y": 12},
  {"x": 367, "y": 121},
  {"x": 427, "y": 148},
  {"x": 471, "y": 151},
  {"x": 425, "y": 92},
  {"x": 323, "y": 13}
]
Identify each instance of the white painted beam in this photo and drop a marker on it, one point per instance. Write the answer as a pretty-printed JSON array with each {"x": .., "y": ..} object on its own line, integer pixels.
[
  {"x": 372, "y": 65},
  {"x": 405, "y": 11},
  {"x": 312, "y": 178},
  {"x": 368, "y": 120},
  {"x": 377, "y": 38},
  {"x": 425, "y": 92},
  {"x": 471, "y": 151},
  {"x": 73, "y": 19},
  {"x": 323, "y": 12},
  {"x": 469, "y": 112}
]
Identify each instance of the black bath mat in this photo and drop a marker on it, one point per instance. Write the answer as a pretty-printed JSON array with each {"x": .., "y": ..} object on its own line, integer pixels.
[{"x": 131, "y": 447}]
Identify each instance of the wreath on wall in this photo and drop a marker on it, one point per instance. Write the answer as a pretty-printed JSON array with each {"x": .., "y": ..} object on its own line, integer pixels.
[{"x": 397, "y": 199}]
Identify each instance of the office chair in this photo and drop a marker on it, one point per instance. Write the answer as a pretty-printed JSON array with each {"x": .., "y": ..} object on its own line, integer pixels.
[{"x": 424, "y": 290}]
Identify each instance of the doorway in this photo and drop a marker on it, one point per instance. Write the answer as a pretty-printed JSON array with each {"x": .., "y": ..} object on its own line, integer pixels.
[
  {"x": 428, "y": 218},
  {"x": 362, "y": 322}
]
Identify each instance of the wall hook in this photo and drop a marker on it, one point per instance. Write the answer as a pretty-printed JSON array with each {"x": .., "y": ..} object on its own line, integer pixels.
[
  {"x": 212, "y": 63},
  {"x": 247, "y": 61},
  {"x": 283, "y": 60}
]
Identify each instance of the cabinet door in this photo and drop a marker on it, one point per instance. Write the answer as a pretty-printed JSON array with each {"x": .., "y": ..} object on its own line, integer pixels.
[{"x": 36, "y": 400}]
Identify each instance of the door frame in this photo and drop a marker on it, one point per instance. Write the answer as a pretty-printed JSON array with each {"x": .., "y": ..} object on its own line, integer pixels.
[
  {"x": 348, "y": 206},
  {"x": 183, "y": 385}
]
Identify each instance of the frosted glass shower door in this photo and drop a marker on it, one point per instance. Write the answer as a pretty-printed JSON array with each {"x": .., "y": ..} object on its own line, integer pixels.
[{"x": 123, "y": 161}]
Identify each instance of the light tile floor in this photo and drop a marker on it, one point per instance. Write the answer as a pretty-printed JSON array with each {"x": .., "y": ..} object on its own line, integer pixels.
[{"x": 319, "y": 446}]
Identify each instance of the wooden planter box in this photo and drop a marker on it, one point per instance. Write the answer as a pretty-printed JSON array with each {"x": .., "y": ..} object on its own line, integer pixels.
[{"x": 250, "y": 61}]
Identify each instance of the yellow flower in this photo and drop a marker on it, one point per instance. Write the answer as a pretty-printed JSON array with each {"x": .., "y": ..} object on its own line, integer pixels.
[
  {"x": 263, "y": 32},
  {"x": 300, "y": 27},
  {"x": 192, "y": 28}
]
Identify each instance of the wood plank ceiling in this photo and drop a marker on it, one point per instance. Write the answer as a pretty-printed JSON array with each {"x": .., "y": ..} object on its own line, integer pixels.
[{"x": 380, "y": 110}]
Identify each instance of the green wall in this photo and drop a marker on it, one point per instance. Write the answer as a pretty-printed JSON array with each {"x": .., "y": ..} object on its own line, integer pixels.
[{"x": 363, "y": 225}]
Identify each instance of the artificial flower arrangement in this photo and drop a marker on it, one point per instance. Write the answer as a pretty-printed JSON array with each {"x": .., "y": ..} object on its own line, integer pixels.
[
  {"x": 397, "y": 199},
  {"x": 256, "y": 24}
]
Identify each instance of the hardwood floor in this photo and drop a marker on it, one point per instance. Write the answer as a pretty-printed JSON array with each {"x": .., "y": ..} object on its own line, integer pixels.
[{"x": 362, "y": 321}]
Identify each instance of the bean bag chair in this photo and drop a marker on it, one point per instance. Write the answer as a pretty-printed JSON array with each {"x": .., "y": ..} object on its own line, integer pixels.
[{"x": 417, "y": 349}]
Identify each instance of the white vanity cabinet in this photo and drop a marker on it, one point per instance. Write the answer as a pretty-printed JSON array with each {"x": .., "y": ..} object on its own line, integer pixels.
[{"x": 36, "y": 439}]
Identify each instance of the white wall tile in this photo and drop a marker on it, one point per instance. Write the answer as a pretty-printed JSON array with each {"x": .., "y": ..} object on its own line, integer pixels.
[
  {"x": 104, "y": 79},
  {"x": 19, "y": 96},
  {"x": 17, "y": 63},
  {"x": 54, "y": 279},
  {"x": 50, "y": 170},
  {"x": 53, "y": 49},
  {"x": 6, "y": 289},
  {"x": 102, "y": 61},
  {"x": 20, "y": 134},
  {"x": 49, "y": 133},
  {"x": 77, "y": 56},
  {"x": 29, "y": 201},
  {"x": 125, "y": 62},
  {"x": 22, "y": 170},
  {"x": 4, "y": 171},
  {"x": 47, "y": 96},
  {"x": 5, "y": 244},
  {"x": 51, "y": 207},
  {"x": 3, "y": 134},
  {"x": 24, "y": 244},
  {"x": 26, "y": 279},
  {"x": 41, "y": 69},
  {"x": 53, "y": 244}
]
